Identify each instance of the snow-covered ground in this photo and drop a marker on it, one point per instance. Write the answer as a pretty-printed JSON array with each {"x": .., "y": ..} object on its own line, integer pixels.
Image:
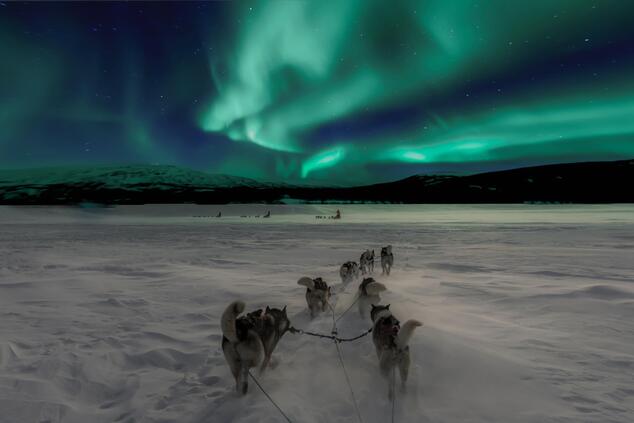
[{"x": 113, "y": 314}]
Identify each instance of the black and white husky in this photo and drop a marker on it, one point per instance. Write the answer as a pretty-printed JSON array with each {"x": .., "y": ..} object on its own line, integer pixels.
[
  {"x": 317, "y": 294},
  {"x": 390, "y": 341},
  {"x": 387, "y": 259},
  {"x": 248, "y": 341},
  {"x": 366, "y": 262},
  {"x": 349, "y": 271},
  {"x": 369, "y": 291}
]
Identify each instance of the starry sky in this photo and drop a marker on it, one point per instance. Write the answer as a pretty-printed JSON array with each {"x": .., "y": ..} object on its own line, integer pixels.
[{"x": 343, "y": 92}]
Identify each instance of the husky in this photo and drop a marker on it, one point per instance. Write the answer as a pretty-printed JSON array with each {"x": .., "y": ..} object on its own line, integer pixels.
[
  {"x": 317, "y": 294},
  {"x": 369, "y": 291},
  {"x": 366, "y": 262},
  {"x": 390, "y": 341},
  {"x": 349, "y": 271},
  {"x": 387, "y": 259},
  {"x": 248, "y": 341}
]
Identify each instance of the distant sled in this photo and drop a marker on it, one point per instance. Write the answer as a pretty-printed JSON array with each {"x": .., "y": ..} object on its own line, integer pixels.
[
  {"x": 336, "y": 216},
  {"x": 268, "y": 214}
]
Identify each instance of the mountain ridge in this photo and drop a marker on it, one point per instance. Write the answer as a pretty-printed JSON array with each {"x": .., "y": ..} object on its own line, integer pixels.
[{"x": 583, "y": 182}]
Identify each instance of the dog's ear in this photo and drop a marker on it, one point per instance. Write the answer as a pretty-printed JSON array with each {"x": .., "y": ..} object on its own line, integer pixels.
[
  {"x": 387, "y": 307},
  {"x": 268, "y": 309},
  {"x": 373, "y": 306},
  {"x": 284, "y": 310}
]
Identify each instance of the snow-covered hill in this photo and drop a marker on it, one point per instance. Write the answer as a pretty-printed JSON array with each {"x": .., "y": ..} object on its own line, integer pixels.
[
  {"x": 589, "y": 182},
  {"x": 122, "y": 177},
  {"x": 113, "y": 184}
]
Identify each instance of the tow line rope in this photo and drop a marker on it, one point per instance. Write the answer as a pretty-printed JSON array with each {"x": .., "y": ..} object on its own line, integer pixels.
[
  {"x": 343, "y": 366},
  {"x": 269, "y": 397},
  {"x": 348, "y": 309},
  {"x": 331, "y": 337},
  {"x": 393, "y": 391},
  {"x": 337, "y": 340},
  {"x": 334, "y": 336}
]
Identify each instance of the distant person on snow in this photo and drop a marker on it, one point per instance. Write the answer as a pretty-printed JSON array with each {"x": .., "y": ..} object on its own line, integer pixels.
[
  {"x": 219, "y": 214},
  {"x": 268, "y": 214},
  {"x": 337, "y": 215}
]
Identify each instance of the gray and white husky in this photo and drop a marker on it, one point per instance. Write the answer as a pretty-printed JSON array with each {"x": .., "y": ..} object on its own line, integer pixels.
[
  {"x": 248, "y": 341},
  {"x": 349, "y": 271},
  {"x": 390, "y": 341},
  {"x": 317, "y": 294},
  {"x": 387, "y": 259},
  {"x": 366, "y": 262},
  {"x": 369, "y": 291}
]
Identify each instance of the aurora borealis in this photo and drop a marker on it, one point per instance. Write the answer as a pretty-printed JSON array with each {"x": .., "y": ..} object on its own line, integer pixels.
[{"x": 347, "y": 92}]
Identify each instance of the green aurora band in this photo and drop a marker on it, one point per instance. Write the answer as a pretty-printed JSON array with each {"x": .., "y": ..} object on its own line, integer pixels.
[
  {"x": 34, "y": 75},
  {"x": 298, "y": 66}
]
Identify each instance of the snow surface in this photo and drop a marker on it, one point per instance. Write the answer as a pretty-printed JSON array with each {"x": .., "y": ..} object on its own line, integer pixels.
[{"x": 113, "y": 314}]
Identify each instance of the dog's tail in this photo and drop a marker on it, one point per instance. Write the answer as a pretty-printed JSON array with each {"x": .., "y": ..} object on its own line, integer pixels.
[
  {"x": 228, "y": 320},
  {"x": 373, "y": 288},
  {"x": 406, "y": 332},
  {"x": 307, "y": 282}
]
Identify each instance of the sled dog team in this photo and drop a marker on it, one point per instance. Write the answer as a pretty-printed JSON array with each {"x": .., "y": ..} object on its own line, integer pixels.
[{"x": 249, "y": 339}]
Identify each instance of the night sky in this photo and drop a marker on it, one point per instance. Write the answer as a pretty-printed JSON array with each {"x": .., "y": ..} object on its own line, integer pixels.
[{"x": 346, "y": 91}]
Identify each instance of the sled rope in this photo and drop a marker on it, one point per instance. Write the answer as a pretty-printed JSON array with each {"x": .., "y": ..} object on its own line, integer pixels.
[
  {"x": 332, "y": 337},
  {"x": 354, "y": 338},
  {"x": 345, "y": 372},
  {"x": 348, "y": 309},
  {"x": 337, "y": 340},
  {"x": 343, "y": 366},
  {"x": 393, "y": 391},
  {"x": 269, "y": 397},
  {"x": 305, "y": 332}
]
